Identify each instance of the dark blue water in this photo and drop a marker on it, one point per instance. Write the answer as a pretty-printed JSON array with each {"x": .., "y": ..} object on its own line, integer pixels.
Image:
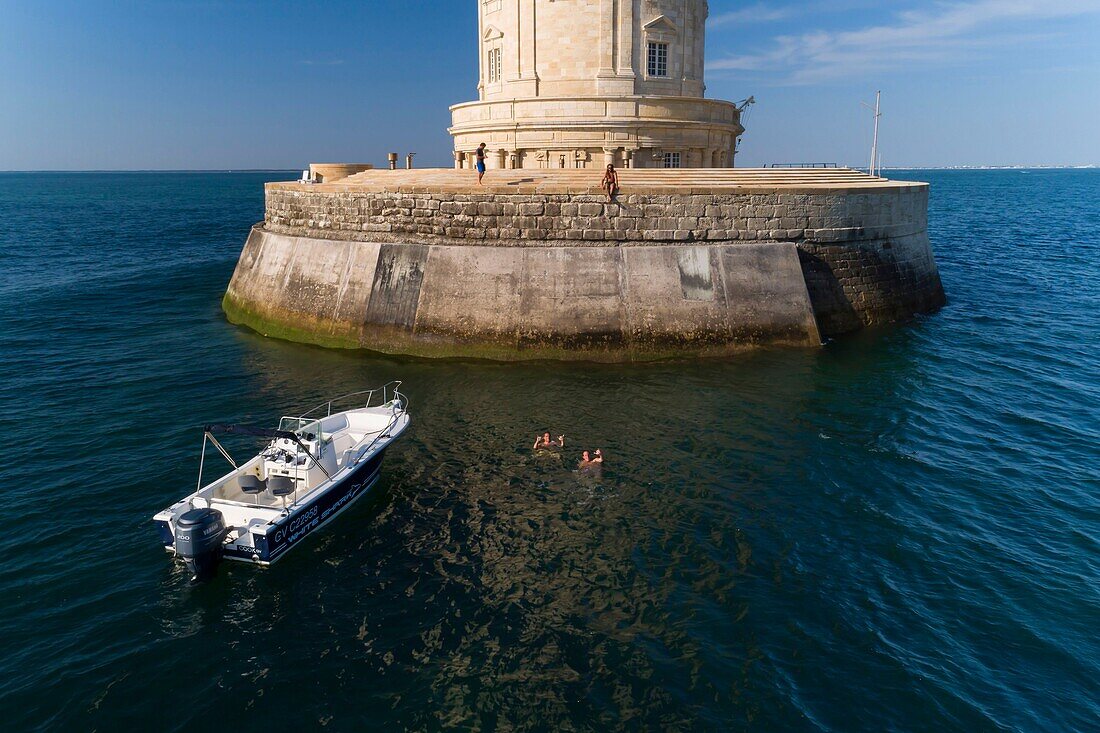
[{"x": 898, "y": 532}]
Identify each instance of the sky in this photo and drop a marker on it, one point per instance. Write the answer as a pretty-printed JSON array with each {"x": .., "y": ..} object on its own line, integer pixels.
[{"x": 234, "y": 84}]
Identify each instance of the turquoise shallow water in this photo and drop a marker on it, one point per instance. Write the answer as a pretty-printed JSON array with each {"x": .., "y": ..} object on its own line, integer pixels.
[{"x": 898, "y": 532}]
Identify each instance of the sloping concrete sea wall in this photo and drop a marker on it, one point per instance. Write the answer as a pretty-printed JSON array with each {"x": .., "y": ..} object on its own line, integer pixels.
[{"x": 543, "y": 274}]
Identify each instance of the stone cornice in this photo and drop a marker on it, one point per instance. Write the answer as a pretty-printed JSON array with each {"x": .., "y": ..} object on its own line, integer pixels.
[{"x": 652, "y": 98}]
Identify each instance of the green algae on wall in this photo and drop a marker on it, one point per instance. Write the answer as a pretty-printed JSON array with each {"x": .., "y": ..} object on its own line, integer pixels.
[{"x": 588, "y": 303}]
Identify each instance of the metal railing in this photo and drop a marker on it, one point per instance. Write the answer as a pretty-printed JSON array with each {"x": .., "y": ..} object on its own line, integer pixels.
[
  {"x": 801, "y": 165},
  {"x": 389, "y": 392}
]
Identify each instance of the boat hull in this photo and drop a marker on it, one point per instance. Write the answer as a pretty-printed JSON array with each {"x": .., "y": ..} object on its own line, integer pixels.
[{"x": 302, "y": 520}]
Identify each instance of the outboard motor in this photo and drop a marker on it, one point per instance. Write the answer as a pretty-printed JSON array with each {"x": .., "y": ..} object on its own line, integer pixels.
[{"x": 199, "y": 537}]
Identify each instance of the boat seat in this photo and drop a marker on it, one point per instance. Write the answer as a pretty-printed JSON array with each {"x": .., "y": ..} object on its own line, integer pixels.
[
  {"x": 333, "y": 424},
  {"x": 252, "y": 484},
  {"x": 342, "y": 443},
  {"x": 281, "y": 486},
  {"x": 353, "y": 455}
]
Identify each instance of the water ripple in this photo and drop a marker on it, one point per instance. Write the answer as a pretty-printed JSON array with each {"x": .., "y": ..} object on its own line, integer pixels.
[{"x": 898, "y": 532}]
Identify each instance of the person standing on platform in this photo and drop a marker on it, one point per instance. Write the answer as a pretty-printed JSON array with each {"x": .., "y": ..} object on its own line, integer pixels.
[{"x": 480, "y": 162}]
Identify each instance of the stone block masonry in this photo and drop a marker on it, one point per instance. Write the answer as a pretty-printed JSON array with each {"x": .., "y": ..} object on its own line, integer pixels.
[
  {"x": 530, "y": 267},
  {"x": 572, "y": 85}
]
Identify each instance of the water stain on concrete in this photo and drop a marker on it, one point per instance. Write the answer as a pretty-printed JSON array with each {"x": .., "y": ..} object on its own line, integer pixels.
[
  {"x": 696, "y": 276},
  {"x": 396, "y": 288}
]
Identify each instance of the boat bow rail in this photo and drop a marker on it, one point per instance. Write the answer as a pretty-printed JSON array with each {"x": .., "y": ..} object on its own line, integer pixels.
[{"x": 388, "y": 395}]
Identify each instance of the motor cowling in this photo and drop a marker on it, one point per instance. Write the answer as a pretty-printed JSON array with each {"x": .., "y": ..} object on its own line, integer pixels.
[{"x": 199, "y": 537}]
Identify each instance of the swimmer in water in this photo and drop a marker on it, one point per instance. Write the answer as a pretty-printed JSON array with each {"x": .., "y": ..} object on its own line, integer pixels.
[
  {"x": 591, "y": 461},
  {"x": 544, "y": 442}
]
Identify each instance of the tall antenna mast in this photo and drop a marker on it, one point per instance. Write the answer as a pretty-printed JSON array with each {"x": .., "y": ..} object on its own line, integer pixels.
[{"x": 871, "y": 169}]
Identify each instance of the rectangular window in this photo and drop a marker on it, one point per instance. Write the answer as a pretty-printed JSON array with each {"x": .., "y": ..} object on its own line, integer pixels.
[
  {"x": 672, "y": 160},
  {"x": 657, "y": 60},
  {"x": 494, "y": 65}
]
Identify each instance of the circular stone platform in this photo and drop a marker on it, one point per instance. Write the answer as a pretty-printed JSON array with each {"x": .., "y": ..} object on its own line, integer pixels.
[{"x": 537, "y": 264}]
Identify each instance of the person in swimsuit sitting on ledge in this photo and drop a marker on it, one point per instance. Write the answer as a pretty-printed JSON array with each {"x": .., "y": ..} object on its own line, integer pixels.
[
  {"x": 610, "y": 182},
  {"x": 544, "y": 443}
]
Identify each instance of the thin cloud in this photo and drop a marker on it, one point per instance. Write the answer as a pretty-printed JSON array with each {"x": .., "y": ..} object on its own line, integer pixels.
[
  {"x": 950, "y": 33},
  {"x": 758, "y": 13},
  {"x": 321, "y": 62}
]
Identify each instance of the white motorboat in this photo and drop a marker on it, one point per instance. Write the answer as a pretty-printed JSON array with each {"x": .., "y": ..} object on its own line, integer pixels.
[{"x": 314, "y": 467}]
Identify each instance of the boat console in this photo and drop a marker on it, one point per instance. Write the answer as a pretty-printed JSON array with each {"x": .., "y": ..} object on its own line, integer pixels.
[{"x": 284, "y": 457}]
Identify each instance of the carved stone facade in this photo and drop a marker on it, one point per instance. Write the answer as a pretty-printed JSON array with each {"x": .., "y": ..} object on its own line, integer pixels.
[{"x": 583, "y": 83}]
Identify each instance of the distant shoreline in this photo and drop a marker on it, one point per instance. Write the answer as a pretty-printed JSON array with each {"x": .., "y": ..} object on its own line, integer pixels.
[
  {"x": 156, "y": 170},
  {"x": 1091, "y": 166},
  {"x": 991, "y": 168}
]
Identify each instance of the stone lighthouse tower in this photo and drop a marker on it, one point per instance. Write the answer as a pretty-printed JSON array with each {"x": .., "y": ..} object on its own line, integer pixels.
[{"x": 582, "y": 83}]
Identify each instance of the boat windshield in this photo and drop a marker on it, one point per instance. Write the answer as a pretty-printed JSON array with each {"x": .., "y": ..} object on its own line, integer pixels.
[{"x": 298, "y": 425}]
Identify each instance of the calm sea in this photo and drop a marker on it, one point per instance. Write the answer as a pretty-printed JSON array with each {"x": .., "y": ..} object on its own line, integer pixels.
[{"x": 897, "y": 532}]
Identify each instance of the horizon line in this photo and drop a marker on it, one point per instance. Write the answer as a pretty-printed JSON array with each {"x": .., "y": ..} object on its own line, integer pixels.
[{"x": 981, "y": 166}]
